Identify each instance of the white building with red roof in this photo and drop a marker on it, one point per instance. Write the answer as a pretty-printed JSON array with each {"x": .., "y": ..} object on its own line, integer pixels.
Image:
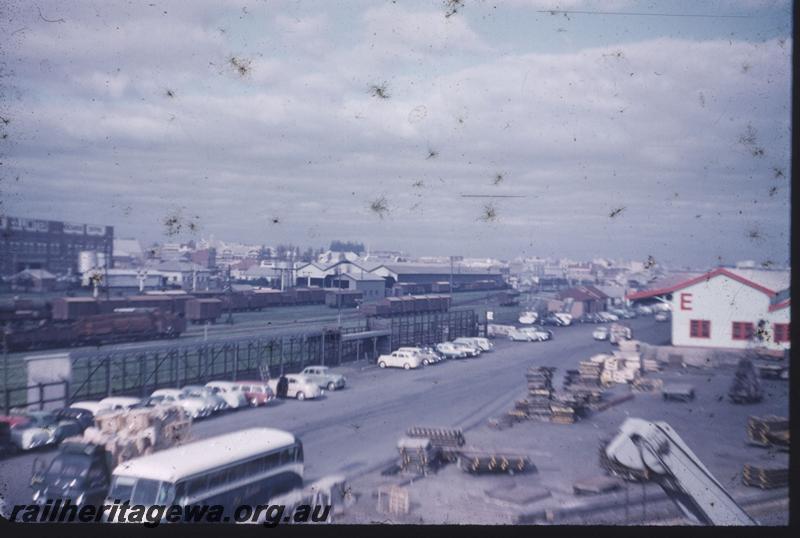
[{"x": 728, "y": 308}]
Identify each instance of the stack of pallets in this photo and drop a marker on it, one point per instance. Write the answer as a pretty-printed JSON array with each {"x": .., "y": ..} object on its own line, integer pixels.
[
  {"x": 490, "y": 461},
  {"x": 572, "y": 377},
  {"x": 589, "y": 372},
  {"x": 761, "y": 429},
  {"x": 418, "y": 455},
  {"x": 540, "y": 392},
  {"x": 445, "y": 440},
  {"x": 562, "y": 412},
  {"x": 765, "y": 477}
]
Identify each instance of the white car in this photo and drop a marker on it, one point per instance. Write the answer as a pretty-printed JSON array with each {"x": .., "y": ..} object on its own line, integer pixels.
[
  {"x": 214, "y": 401},
  {"x": 117, "y": 403},
  {"x": 400, "y": 359},
  {"x": 608, "y": 316},
  {"x": 469, "y": 347},
  {"x": 450, "y": 351},
  {"x": 600, "y": 333},
  {"x": 230, "y": 392},
  {"x": 426, "y": 355},
  {"x": 528, "y": 318},
  {"x": 92, "y": 406},
  {"x": 662, "y": 316},
  {"x": 537, "y": 334},
  {"x": 481, "y": 343},
  {"x": 299, "y": 386},
  {"x": 566, "y": 319},
  {"x": 193, "y": 406}
]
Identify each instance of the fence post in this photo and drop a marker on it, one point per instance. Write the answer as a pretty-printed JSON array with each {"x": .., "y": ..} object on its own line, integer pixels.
[
  {"x": 41, "y": 396},
  {"x": 67, "y": 397},
  {"x": 236, "y": 361},
  {"x": 108, "y": 375}
]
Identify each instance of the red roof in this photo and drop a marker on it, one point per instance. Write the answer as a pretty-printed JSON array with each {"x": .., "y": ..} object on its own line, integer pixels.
[{"x": 692, "y": 281}]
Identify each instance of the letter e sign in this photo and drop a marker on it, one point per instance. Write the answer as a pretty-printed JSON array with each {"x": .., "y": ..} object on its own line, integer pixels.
[{"x": 686, "y": 301}]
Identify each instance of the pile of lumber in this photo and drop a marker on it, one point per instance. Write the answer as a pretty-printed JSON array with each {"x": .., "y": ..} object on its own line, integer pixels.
[
  {"x": 746, "y": 386},
  {"x": 128, "y": 434},
  {"x": 540, "y": 392},
  {"x": 445, "y": 440},
  {"x": 563, "y": 412},
  {"x": 651, "y": 365},
  {"x": 643, "y": 384},
  {"x": 765, "y": 431},
  {"x": 417, "y": 455},
  {"x": 571, "y": 377},
  {"x": 590, "y": 371},
  {"x": 491, "y": 461},
  {"x": 765, "y": 477}
]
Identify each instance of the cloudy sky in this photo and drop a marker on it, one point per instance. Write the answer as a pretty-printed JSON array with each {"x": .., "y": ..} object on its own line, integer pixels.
[{"x": 518, "y": 127}]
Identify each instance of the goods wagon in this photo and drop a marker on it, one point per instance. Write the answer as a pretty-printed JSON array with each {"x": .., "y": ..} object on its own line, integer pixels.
[
  {"x": 343, "y": 298},
  {"x": 200, "y": 310}
]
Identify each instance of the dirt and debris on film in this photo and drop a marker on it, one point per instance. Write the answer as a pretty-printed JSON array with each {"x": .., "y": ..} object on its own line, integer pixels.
[
  {"x": 381, "y": 91},
  {"x": 432, "y": 153},
  {"x": 749, "y": 139},
  {"x": 452, "y": 7},
  {"x": 497, "y": 179},
  {"x": 241, "y": 65},
  {"x": 489, "y": 213},
  {"x": 651, "y": 262},
  {"x": 616, "y": 212},
  {"x": 379, "y": 206}
]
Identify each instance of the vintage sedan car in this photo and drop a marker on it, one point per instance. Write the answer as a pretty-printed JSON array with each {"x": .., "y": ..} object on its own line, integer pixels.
[
  {"x": 193, "y": 406},
  {"x": 600, "y": 333},
  {"x": 257, "y": 392},
  {"x": 118, "y": 403},
  {"x": 427, "y": 357},
  {"x": 83, "y": 417},
  {"x": 537, "y": 334},
  {"x": 214, "y": 401},
  {"x": 400, "y": 359},
  {"x": 42, "y": 428},
  {"x": 324, "y": 377},
  {"x": 483, "y": 344},
  {"x": 431, "y": 355},
  {"x": 470, "y": 348},
  {"x": 299, "y": 386},
  {"x": 447, "y": 349},
  {"x": 230, "y": 392},
  {"x": 661, "y": 316},
  {"x": 7, "y": 445}
]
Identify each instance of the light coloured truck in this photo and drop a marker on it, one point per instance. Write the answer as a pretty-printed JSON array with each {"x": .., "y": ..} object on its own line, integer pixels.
[{"x": 400, "y": 359}]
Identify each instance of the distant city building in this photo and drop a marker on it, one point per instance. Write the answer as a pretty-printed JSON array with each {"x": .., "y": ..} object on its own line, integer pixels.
[
  {"x": 128, "y": 253},
  {"x": 50, "y": 245}
]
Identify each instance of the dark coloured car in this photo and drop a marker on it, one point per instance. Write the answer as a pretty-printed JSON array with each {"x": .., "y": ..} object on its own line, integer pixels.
[
  {"x": 80, "y": 472},
  {"x": 83, "y": 417}
]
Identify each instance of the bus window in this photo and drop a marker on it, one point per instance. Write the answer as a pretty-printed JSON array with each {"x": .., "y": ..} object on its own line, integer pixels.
[
  {"x": 254, "y": 467},
  {"x": 299, "y": 452},
  {"x": 122, "y": 488},
  {"x": 196, "y": 486},
  {"x": 166, "y": 493},
  {"x": 145, "y": 492},
  {"x": 180, "y": 492},
  {"x": 273, "y": 460}
]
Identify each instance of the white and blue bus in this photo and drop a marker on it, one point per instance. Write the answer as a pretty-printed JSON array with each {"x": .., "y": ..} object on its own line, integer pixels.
[{"x": 248, "y": 466}]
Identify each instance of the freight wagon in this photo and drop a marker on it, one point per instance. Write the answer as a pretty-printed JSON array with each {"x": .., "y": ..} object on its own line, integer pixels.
[
  {"x": 343, "y": 298},
  {"x": 409, "y": 304},
  {"x": 202, "y": 310},
  {"x": 133, "y": 324}
]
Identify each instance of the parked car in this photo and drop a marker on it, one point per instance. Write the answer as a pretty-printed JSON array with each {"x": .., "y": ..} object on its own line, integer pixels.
[
  {"x": 7, "y": 446},
  {"x": 537, "y": 334},
  {"x": 643, "y": 310},
  {"x": 564, "y": 318},
  {"x": 194, "y": 406},
  {"x": 432, "y": 355},
  {"x": 481, "y": 343},
  {"x": 299, "y": 386},
  {"x": 83, "y": 417},
  {"x": 117, "y": 403},
  {"x": 230, "y": 392},
  {"x": 257, "y": 392},
  {"x": 468, "y": 346},
  {"x": 426, "y": 358},
  {"x": 528, "y": 318},
  {"x": 42, "y": 428},
  {"x": 600, "y": 333},
  {"x": 400, "y": 359},
  {"x": 448, "y": 350},
  {"x": 210, "y": 400},
  {"x": 324, "y": 377},
  {"x": 662, "y": 316},
  {"x": 608, "y": 316},
  {"x": 518, "y": 336},
  {"x": 91, "y": 406},
  {"x": 552, "y": 320}
]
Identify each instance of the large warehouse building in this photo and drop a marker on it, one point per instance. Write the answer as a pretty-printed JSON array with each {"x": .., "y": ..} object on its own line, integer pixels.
[
  {"x": 50, "y": 245},
  {"x": 728, "y": 308}
]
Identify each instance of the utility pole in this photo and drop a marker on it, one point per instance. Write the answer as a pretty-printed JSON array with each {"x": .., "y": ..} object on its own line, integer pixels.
[
  {"x": 229, "y": 294},
  {"x": 7, "y": 402}
]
